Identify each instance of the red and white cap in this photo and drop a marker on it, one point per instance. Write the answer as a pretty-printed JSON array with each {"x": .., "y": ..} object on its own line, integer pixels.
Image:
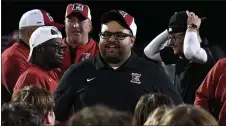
[
  {"x": 42, "y": 35},
  {"x": 122, "y": 16},
  {"x": 37, "y": 17},
  {"x": 78, "y": 8}
]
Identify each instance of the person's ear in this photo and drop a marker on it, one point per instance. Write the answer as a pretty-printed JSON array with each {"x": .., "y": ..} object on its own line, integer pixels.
[
  {"x": 90, "y": 26},
  {"x": 30, "y": 31},
  {"x": 132, "y": 40},
  {"x": 50, "y": 118},
  {"x": 40, "y": 49}
]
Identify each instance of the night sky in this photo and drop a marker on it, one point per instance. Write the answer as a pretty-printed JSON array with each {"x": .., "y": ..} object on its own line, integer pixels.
[{"x": 151, "y": 17}]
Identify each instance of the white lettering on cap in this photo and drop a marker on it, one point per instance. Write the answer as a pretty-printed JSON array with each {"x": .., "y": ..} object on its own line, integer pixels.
[{"x": 77, "y": 7}]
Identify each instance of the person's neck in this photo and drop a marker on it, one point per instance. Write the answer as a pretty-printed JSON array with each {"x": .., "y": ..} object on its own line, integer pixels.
[
  {"x": 73, "y": 43},
  {"x": 42, "y": 65},
  {"x": 26, "y": 41},
  {"x": 122, "y": 62}
]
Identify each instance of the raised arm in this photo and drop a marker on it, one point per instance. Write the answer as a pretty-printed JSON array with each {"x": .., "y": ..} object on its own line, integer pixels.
[
  {"x": 192, "y": 49},
  {"x": 152, "y": 50}
]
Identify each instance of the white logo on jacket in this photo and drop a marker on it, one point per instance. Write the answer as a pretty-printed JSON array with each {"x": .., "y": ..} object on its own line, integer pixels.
[
  {"x": 86, "y": 56},
  {"x": 90, "y": 79},
  {"x": 135, "y": 78}
]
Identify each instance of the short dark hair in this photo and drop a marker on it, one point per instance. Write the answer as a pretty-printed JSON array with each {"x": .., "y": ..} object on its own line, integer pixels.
[
  {"x": 100, "y": 116},
  {"x": 21, "y": 114},
  {"x": 38, "y": 97},
  {"x": 147, "y": 104}
]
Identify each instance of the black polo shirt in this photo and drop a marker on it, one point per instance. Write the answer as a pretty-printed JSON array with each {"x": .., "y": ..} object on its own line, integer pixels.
[
  {"x": 188, "y": 75},
  {"x": 93, "y": 81}
]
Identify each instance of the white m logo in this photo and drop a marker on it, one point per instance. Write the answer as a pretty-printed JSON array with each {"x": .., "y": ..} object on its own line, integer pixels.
[
  {"x": 50, "y": 17},
  {"x": 78, "y": 7}
]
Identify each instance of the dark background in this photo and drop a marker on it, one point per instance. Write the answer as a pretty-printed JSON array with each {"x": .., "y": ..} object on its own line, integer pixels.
[{"x": 151, "y": 17}]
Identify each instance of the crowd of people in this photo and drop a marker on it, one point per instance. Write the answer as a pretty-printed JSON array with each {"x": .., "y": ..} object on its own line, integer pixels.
[{"x": 48, "y": 79}]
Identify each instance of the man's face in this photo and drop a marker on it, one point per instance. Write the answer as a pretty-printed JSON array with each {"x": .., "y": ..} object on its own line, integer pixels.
[
  {"x": 77, "y": 27},
  {"x": 176, "y": 41},
  {"x": 27, "y": 32},
  {"x": 52, "y": 52},
  {"x": 115, "y": 42}
]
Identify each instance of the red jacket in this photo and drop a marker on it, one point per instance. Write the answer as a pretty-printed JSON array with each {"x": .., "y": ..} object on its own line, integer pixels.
[
  {"x": 80, "y": 53},
  {"x": 214, "y": 87},
  {"x": 14, "y": 63},
  {"x": 35, "y": 75}
]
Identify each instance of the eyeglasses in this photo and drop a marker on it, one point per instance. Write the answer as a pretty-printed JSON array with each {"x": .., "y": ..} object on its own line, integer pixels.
[
  {"x": 57, "y": 47},
  {"x": 117, "y": 35},
  {"x": 173, "y": 39}
]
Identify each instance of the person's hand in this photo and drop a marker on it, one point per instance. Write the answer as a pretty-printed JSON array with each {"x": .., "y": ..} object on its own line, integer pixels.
[{"x": 193, "y": 19}]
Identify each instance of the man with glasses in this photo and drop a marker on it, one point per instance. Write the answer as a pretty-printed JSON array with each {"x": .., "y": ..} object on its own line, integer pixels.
[
  {"x": 80, "y": 45},
  {"x": 46, "y": 55},
  {"x": 14, "y": 58},
  {"x": 182, "y": 45},
  {"x": 116, "y": 77}
]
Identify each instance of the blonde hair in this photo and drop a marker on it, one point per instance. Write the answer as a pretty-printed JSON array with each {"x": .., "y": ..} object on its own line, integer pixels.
[
  {"x": 155, "y": 117},
  {"x": 147, "y": 104},
  {"x": 188, "y": 115}
]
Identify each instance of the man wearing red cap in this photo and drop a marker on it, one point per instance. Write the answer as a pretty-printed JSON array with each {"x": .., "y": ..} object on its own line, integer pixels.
[
  {"x": 14, "y": 59},
  {"x": 79, "y": 44},
  {"x": 116, "y": 77}
]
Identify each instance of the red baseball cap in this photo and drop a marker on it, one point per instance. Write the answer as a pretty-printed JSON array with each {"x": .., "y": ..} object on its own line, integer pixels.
[
  {"x": 37, "y": 17},
  {"x": 78, "y": 8},
  {"x": 126, "y": 19}
]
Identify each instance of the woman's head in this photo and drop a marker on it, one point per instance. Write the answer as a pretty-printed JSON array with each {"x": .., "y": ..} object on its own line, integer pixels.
[
  {"x": 154, "y": 118},
  {"x": 147, "y": 104},
  {"x": 188, "y": 115}
]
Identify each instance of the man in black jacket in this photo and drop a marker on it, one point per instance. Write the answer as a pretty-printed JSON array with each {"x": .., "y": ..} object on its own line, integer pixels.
[{"x": 116, "y": 77}]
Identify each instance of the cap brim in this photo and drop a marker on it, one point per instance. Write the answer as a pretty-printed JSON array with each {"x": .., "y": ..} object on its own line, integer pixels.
[
  {"x": 30, "y": 54},
  {"x": 57, "y": 25},
  {"x": 114, "y": 16},
  {"x": 77, "y": 14}
]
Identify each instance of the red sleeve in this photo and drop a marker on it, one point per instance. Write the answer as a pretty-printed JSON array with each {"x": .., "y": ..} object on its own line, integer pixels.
[
  {"x": 206, "y": 91},
  {"x": 29, "y": 78},
  {"x": 12, "y": 68}
]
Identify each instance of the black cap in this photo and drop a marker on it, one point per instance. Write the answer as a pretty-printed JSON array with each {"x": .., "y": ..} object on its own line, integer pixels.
[
  {"x": 178, "y": 22},
  {"x": 114, "y": 15},
  {"x": 122, "y": 17}
]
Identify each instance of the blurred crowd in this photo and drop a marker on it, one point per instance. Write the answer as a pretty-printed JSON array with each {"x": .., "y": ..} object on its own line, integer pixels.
[
  {"x": 51, "y": 79},
  {"x": 8, "y": 40}
]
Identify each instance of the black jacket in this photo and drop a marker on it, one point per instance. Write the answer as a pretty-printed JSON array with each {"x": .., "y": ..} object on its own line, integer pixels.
[{"x": 93, "y": 82}]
